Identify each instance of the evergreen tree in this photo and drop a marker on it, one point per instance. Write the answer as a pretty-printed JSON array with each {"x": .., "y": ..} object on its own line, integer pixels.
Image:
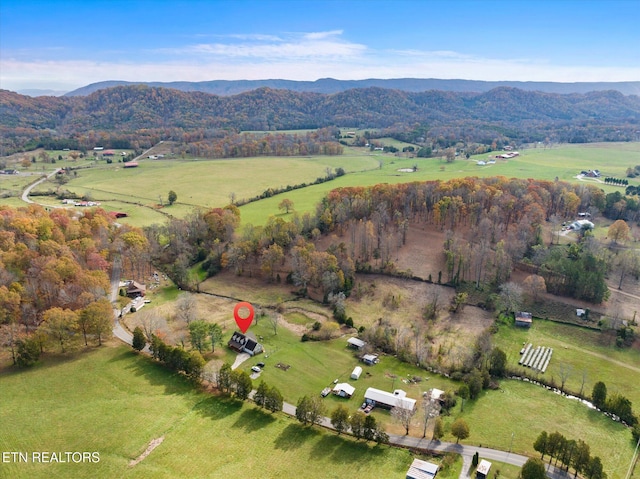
[
  {"x": 599, "y": 395},
  {"x": 224, "y": 378},
  {"x": 260, "y": 397},
  {"x": 274, "y": 400},
  {"x": 139, "y": 341},
  {"x": 540, "y": 444},
  {"x": 357, "y": 424}
]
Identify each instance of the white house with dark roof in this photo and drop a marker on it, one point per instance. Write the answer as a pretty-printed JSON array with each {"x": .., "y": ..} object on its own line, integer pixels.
[{"x": 244, "y": 344}]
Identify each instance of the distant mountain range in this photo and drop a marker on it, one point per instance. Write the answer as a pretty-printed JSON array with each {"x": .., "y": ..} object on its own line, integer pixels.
[
  {"x": 330, "y": 85},
  {"x": 504, "y": 111}
]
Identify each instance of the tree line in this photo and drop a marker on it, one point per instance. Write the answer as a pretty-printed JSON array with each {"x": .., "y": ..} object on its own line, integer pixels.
[{"x": 570, "y": 453}]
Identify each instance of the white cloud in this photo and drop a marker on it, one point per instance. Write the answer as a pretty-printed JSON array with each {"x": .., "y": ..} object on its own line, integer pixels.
[
  {"x": 321, "y": 35},
  {"x": 294, "y": 56},
  {"x": 266, "y": 47}
]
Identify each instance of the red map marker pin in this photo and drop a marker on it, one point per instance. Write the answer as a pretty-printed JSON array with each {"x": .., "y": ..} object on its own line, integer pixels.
[{"x": 243, "y": 323}]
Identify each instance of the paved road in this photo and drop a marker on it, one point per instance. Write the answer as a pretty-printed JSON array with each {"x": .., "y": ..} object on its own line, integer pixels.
[
  {"x": 27, "y": 190},
  {"x": 429, "y": 445},
  {"x": 118, "y": 331}
]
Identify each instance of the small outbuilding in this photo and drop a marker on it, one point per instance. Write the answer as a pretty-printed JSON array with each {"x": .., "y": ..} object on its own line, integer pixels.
[
  {"x": 370, "y": 359},
  {"x": 436, "y": 394},
  {"x": 344, "y": 390},
  {"x": 483, "y": 469},
  {"x": 357, "y": 371},
  {"x": 356, "y": 343},
  {"x": 422, "y": 470},
  {"x": 524, "y": 319}
]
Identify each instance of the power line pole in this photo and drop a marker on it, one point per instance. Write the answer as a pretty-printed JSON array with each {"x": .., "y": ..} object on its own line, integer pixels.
[{"x": 633, "y": 460}]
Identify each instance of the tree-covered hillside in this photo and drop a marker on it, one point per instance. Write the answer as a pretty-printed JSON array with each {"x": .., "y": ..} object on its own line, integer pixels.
[{"x": 163, "y": 113}]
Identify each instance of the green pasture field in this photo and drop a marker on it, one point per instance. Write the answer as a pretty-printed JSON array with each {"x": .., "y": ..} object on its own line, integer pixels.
[
  {"x": 582, "y": 351},
  {"x": 525, "y": 410},
  {"x": 209, "y": 183},
  {"x": 517, "y": 407},
  {"x": 13, "y": 202},
  {"x": 314, "y": 365},
  {"x": 564, "y": 162},
  {"x": 114, "y": 402},
  {"x": 388, "y": 141}
]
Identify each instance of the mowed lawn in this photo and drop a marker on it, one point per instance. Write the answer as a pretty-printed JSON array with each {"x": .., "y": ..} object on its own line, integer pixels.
[
  {"x": 582, "y": 353},
  {"x": 519, "y": 408},
  {"x": 563, "y": 162},
  {"x": 525, "y": 410},
  {"x": 208, "y": 183},
  {"x": 315, "y": 365},
  {"x": 114, "y": 402}
]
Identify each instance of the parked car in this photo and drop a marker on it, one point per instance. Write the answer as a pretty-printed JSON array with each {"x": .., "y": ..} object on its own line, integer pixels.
[
  {"x": 256, "y": 369},
  {"x": 260, "y": 365},
  {"x": 325, "y": 392}
]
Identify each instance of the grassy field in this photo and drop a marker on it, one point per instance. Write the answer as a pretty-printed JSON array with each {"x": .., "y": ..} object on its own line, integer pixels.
[
  {"x": 527, "y": 410},
  {"x": 113, "y": 402},
  {"x": 210, "y": 183},
  {"x": 315, "y": 365},
  {"x": 582, "y": 352},
  {"x": 564, "y": 162}
]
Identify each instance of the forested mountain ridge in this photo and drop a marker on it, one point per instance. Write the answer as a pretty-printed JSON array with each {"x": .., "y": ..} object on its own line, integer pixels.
[
  {"x": 604, "y": 116},
  {"x": 331, "y": 85}
]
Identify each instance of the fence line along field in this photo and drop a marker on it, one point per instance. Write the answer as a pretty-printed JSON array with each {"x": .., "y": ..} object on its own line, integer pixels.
[{"x": 212, "y": 183}]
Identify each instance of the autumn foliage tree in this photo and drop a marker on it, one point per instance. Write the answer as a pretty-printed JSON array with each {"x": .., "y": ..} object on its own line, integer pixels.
[
  {"x": 54, "y": 275},
  {"x": 619, "y": 231}
]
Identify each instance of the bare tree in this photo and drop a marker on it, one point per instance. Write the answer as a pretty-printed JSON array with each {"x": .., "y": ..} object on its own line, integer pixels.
[
  {"x": 186, "y": 308},
  {"x": 432, "y": 306},
  {"x": 403, "y": 415},
  {"x": 274, "y": 320},
  {"x": 535, "y": 286},
  {"x": 565, "y": 372},
  {"x": 151, "y": 322},
  {"x": 584, "y": 380},
  {"x": 430, "y": 409},
  {"x": 510, "y": 296}
]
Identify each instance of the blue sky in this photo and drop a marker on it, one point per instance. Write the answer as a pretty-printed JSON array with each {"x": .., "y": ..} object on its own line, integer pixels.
[{"x": 63, "y": 45}]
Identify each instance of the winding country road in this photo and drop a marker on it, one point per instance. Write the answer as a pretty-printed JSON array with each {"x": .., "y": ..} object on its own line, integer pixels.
[
  {"x": 27, "y": 190},
  {"x": 429, "y": 445}
]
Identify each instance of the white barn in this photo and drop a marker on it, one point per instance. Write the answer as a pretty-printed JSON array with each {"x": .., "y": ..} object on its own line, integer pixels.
[
  {"x": 422, "y": 470},
  {"x": 357, "y": 371},
  {"x": 397, "y": 398}
]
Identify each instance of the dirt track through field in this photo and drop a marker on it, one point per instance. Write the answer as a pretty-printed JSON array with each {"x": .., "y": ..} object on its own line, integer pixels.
[{"x": 601, "y": 356}]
